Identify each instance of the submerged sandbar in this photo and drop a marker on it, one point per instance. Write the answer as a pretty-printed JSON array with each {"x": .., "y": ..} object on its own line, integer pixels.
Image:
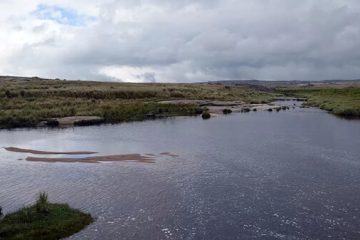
[
  {"x": 23, "y": 150},
  {"x": 96, "y": 159}
]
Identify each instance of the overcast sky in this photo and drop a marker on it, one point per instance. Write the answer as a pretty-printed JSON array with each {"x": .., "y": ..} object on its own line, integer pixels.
[{"x": 180, "y": 40}]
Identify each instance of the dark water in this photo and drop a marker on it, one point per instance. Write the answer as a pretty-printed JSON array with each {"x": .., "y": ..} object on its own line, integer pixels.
[{"x": 287, "y": 175}]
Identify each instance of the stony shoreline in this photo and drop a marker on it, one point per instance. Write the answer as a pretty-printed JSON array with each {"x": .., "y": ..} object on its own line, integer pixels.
[{"x": 225, "y": 107}]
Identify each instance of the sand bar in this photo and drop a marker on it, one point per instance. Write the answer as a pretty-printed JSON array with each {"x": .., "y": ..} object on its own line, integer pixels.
[
  {"x": 169, "y": 154},
  {"x": 97, "y": 159},
  {"x": 23, "y": 150}
]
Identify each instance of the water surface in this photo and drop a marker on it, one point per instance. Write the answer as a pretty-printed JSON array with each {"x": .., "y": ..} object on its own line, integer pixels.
[{"x": 286, "y": 175}]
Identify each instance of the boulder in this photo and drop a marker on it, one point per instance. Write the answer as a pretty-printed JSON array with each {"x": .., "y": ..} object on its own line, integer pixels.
[
  {"x": 206, "y": 115},
  {"x": 227, "y": 111}
]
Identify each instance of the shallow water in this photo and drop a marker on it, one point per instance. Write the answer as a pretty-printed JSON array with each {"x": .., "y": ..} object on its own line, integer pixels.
[{"x": 286, "y": 175}]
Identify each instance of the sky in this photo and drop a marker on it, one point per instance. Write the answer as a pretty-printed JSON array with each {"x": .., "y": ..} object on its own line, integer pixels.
[{"x": 180, "y": 40}]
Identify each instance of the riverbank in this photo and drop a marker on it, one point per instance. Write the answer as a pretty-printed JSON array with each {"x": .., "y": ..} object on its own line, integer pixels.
[
  {"x": 339, "y": 100},
  {"x": 33, "y": 102}
]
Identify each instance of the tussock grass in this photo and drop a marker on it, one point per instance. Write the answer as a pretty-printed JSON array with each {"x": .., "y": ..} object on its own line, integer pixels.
[
  {"x": 342, "y": 101},
  {"x": 43, "y": 220},
  {"x": 26, "y": 102}
]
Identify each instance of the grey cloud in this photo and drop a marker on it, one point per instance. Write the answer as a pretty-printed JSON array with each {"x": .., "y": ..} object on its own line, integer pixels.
[{"x": 208, "y": 40}]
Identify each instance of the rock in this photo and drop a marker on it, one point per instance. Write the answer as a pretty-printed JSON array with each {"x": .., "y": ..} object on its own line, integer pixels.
[
  {"x": 270, "y": 110},
  {"x": 227, "y": 111},
  {"x": 72, "y": 121},
  {"x": 206, "y": 115},
  {"x": 245, "y": 110},
  {"x": 88, "y": 122},
  {"x": 150, "y": 116},
  {"x": 52, "y": 123}
]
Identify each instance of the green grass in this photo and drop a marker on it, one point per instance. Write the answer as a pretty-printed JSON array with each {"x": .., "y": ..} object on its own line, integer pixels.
[
  {"x": 339, "y": 100},
  {"x": 24, "y": 103},
  {"x": 42, "y": 221}
]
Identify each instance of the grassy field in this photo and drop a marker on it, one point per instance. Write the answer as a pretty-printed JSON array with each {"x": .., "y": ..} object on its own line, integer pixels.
[
  {"x": 43, "y": 220},
  {"x": 26, "y": 102},
  {"x": 339, "y": 100}
]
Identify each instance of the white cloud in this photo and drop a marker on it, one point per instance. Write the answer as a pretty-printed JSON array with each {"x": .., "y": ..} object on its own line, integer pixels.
[{"x": 172, "y": 41}]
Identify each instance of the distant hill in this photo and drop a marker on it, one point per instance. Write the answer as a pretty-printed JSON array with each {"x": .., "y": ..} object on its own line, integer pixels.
[
  {"x": 258, "y": 84},
  {"x": 288, "y": 83}
]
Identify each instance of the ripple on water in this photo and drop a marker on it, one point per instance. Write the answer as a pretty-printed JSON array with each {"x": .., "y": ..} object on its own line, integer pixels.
[{"x": 286, "y": 175}]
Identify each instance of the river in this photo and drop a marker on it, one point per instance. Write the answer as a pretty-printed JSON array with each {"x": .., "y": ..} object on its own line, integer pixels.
[{"x": 261, "y": 175}]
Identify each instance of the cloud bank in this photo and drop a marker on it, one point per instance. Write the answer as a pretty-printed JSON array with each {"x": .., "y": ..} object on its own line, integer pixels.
[{"x": 181, "y": 41}]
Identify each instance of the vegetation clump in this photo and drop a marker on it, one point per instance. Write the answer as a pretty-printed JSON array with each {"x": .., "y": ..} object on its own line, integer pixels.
[{"x": 43, "y": 220}]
